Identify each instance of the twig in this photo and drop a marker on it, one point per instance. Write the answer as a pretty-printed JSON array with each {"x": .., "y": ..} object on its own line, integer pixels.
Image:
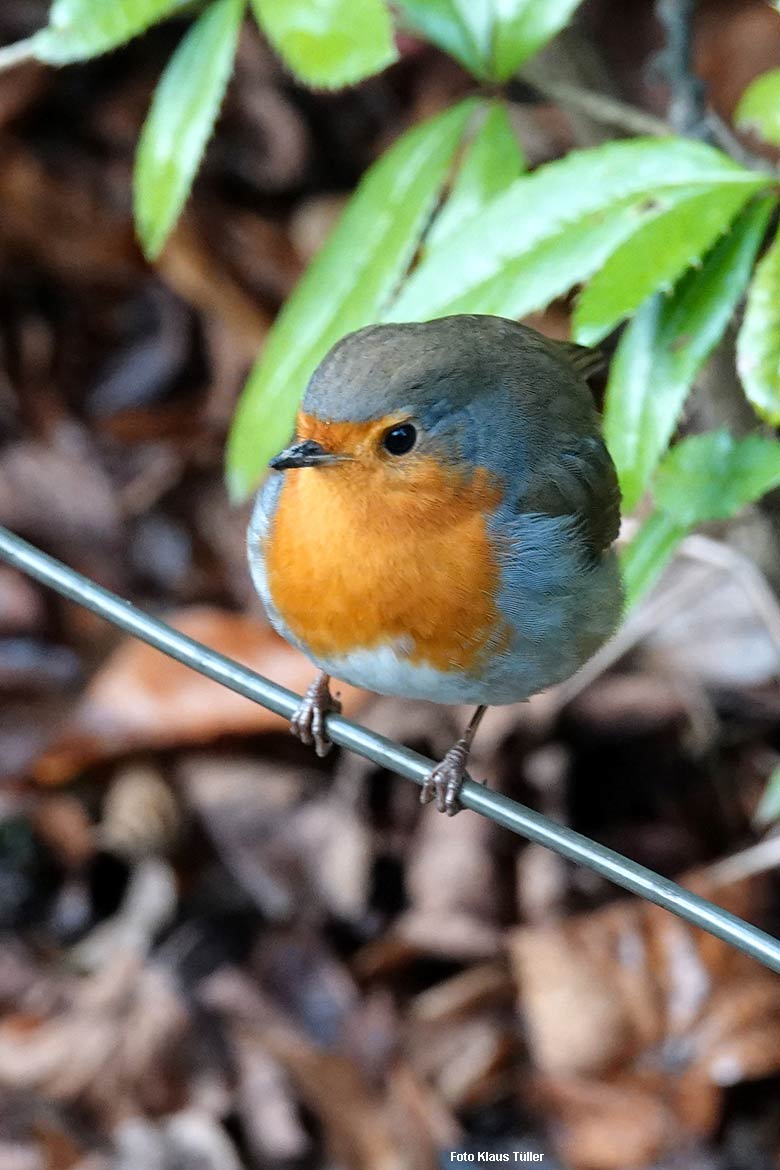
[
  {"x": 602, "y": 108},
  {"x": 689, "y": 113},
  {"x": 749, "y": 862},
  {"x": 721, "y": 134},
  {"x": 611, "y": 111},
  {"x": 755, "y": 585},
  {"x": 383, "y": 752},
  {"x": 687, "y": 95}
]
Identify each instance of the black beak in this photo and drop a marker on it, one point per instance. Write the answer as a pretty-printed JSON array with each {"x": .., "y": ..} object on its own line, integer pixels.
[{"x": 305, "y": 454}]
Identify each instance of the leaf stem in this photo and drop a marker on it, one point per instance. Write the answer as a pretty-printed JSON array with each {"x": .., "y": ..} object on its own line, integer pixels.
[{"x": 17, "y": 53}]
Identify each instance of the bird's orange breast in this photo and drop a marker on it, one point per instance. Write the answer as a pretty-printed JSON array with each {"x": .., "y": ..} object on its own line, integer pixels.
[{"x": 361, "y": 554}]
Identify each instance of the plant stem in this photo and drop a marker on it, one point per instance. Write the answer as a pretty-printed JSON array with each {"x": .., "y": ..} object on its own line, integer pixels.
[
  {"x": 689, "y": 113},
  {"x": 603, "y": 108},
  {"x": 687, "y": 95}
]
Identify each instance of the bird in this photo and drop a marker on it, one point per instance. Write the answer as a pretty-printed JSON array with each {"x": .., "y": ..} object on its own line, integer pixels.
[{"x": 441, "y": 526}]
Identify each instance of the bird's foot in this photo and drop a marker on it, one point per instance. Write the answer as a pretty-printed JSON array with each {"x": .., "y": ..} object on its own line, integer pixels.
[
  {"x": 308, "y": 722},
  {"x": 446, "y": 780}
]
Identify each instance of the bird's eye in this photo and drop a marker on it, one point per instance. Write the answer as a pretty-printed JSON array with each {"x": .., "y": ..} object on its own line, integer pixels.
[{"x": 400, "y": 440}]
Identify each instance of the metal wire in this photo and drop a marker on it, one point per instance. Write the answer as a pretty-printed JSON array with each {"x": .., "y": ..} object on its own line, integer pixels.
[{"x": 511, "y": 815}]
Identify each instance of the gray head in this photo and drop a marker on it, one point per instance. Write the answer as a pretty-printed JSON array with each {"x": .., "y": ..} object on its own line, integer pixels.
[
  {"x": 479, "y": 388},
  {"x": 436, "y": 366}
]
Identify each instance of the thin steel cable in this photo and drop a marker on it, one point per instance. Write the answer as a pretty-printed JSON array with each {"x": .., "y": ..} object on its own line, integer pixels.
[{"x": 515, "y": 817}]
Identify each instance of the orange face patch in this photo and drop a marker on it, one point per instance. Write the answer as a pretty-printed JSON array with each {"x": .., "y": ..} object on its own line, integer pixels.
[
  {"x": 358, "y": 440},
  {"x": 377, "y": 550}
]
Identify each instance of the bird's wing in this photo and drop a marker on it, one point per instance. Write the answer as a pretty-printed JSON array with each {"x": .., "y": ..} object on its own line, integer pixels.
[
  {"x": 583, "y": 484},
  {"x": 585, "y": 360}
]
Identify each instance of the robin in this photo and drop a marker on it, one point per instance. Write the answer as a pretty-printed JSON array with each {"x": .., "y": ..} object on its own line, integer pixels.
[{"x": 441, "y": 526}]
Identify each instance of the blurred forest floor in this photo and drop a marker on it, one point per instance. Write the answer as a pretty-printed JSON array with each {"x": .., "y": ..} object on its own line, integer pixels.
[{"x": 217, "y": 951}]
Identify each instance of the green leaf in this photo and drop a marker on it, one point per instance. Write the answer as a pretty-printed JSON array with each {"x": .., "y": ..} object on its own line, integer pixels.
[
  {"x": 522, "y": 28},
  {"x": 712, "y": 476},
  {"x": 492, "y": 38},
  {"x": 665, "y": 346},
  {"x": 759, "y": 107},
  {"x": 345, "y": 287},
  {"x": 463, "y": 28},
  {"x": 535, "y": 277},
  {"x": 643, "y": 560},
  {"x": 80, "y": 29},
  {"x": 491, "y": 162},
  {"x": 184, "y": 110},
  {"x": 674, "y": 236},
  {"x": 705, "y": 477},
  {"x": 768, "y": 810},
  {"x": 329, "y": 43},
  {"x": 532, "y": 242},
  {"x": 758, "y": 343}
]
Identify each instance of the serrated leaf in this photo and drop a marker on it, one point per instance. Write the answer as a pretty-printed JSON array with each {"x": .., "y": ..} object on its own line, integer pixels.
[
  {"x": 345, "y": 287},
  {"x": 759, "y": 107},
  {"x": 712, "y": 476},
  {"x": 705, "y": 477},
  {"x": 643, "y": 560},
  {"x": 490, "y": 163},
  {"x": 329, "y": 43},
  {"x": 665, "y": 346},
  {"x": 80, "y": 29},
  {"x": 758, "y": 343},
  {"x": 463, "y": 28},
  {"x": 529, "y": 281},
  {"x": 184, "y": 108},
  {"x": 558, "y": 207},
  {"x": 492, "y": 38},
  {"x": 522, "y": 28},
  {"x": 676, "y": 233}
]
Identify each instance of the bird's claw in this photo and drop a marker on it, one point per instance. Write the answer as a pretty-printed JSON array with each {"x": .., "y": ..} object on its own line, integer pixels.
[
  {"x": 308, "y": 722},
  {"x": 446, "y": 780}
]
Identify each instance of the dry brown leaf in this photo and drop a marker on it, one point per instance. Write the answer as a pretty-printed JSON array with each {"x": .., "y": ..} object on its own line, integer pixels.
[
  {"x": 143, "y": 699},
  {"x": 384, "y": 956},
  {"x": 196, "y": 275},
  {"x": 735, "y": 42},
  {"x": 21, "y": 1156},
  {"x": 450, "y": 880},
  {"x": 106, "y": 1046},
  {"x": 569, "y": 974},
  {"x": 58, "y": 492},
  {"x": 62, "y": 822},
  {"x": 488, "y": 984},
  {"x": 355, "y": 1120},
  {"x": 188, "y": 1140},
  {"x": 140, "y": 813},
  {"x": 460, "y": 1058},
  {"x": 600, "y": 1126},
  {"x": 19, "y": 87},
  {"x": 60, "y": 1151},
  {"x": 424, "y": 1123},
  {"x": 21, "y": 603},
  {"x": 266, "y": 1103},
  {"x": 69, "y": 226},
  {"x": 636, "y": 1021},
  {"x": 288, "y": 853}
]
